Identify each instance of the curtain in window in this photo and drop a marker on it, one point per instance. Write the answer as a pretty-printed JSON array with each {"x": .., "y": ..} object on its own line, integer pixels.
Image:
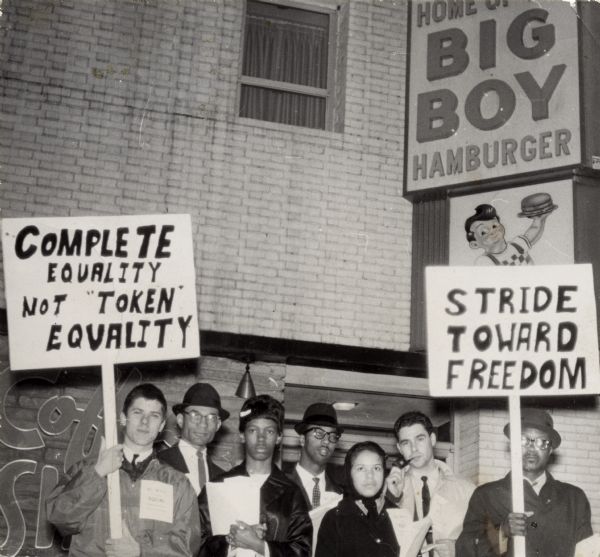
[{"x": 285, "y": 51}]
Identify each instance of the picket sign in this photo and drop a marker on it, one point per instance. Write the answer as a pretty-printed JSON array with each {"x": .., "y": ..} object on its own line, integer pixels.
[
  {"x": 110, "y": 437},
  {"x": 100, "y": 291},
  {"x": 516, "y": 467},
  {"x": 511, "y": 332}
]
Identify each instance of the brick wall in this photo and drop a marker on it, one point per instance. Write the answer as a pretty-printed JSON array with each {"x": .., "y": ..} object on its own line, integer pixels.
[
  {"x": 466, "y": 424},
  {"x": 119, "y": 107}
]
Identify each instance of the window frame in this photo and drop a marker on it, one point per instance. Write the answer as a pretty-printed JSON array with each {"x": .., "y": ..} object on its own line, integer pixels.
[{"x": 285, "y": 86}]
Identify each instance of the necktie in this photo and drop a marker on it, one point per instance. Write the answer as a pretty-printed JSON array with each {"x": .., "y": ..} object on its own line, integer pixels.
[
  {"x": 132, "y": 468},
  {"x": 426, "y": 497},
  {"x": 316, "y": 494},
  {"x": 201, "y": 470}
]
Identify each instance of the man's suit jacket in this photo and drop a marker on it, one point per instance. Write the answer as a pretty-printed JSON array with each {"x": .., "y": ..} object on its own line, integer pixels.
[
  {"x": 331, "y": 483},
  {"x": 173, "y": 456}
]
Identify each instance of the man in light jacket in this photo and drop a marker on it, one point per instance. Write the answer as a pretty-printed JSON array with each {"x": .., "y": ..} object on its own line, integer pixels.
[
  {"x": 79, "y": 503},
  {"x": 427, "y": 486}
]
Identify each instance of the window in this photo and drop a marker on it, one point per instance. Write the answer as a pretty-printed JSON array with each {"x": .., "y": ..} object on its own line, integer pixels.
[{"x": 287, "y": 70}]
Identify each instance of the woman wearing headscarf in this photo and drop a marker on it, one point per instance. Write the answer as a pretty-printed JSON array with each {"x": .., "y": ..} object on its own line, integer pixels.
[{"x": 360, "y": 526}]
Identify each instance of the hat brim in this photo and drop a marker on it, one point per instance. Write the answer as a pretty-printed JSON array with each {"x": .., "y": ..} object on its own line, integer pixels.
[
  {"x": 179, "y": 408},
  {"x": 302, "y": 427},
  {"x": 555, "y": 438}
]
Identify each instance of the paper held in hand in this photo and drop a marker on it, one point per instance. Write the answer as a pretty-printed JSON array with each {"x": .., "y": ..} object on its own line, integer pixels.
[
  {"x": 410, "y": 534},
  {"x": 330, "y": 501},
  {"x": 231, "y": 500},
  {"x": 590, "y": 547}
]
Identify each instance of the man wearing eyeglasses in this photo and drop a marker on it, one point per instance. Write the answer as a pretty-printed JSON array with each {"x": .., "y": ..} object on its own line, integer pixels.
[
  {"x": 319, "y": 433},
  {"x": 557, "y": 514},
  {"x": 199, "y": 417}
]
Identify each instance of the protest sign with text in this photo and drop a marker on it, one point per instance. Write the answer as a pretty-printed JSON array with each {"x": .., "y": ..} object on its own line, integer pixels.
[
  {"x": 82, "y": 289},
  {"x": 512, "y": 331},
  {"x": 97, "y": 291},
  {"x": 504, "y": 331}
]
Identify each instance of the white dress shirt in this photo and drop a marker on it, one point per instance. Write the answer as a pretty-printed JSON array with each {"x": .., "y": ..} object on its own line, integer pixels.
[
  {"x": 190, "y": 455},
  {"x": 308, "y": 483},
  {"x": 128, "y": 454},
  {"x": 538, "y": 483}
]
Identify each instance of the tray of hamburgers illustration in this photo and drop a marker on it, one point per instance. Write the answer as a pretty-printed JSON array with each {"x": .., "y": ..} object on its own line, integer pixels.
[{"x": 537, "y": 204}]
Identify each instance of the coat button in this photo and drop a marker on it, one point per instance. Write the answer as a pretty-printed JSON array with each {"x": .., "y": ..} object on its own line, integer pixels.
[
  {"x": 534, "y": 525},
  {"x": 377, "y": 540}
]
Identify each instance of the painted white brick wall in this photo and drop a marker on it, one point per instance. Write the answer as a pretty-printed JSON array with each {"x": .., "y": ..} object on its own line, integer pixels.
[{"x": 119, "y": 107}]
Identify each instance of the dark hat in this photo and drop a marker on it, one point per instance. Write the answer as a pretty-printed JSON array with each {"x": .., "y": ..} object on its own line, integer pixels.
[
  {"x": 201, "y": 394},
  {"x": 319, "y": 413},
  {"x": 538, "y": 419},
  {"x": 261, "y": 406}
]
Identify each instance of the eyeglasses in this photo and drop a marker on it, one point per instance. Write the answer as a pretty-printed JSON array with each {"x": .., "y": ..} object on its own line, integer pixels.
[
  {"x": 536, "y": 442},
  {"x": 319, "y": 434},
  {"x": 197, "y": 418}
]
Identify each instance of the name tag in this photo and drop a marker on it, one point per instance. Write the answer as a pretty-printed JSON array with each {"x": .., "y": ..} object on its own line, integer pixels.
[{"x": 156, "y": 501}]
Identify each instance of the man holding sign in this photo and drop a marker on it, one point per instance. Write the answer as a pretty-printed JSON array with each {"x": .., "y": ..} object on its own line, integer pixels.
[
  {"x": 160, "y": 512},
  {"x": 514, "y": 332},
  {"x": 557, "y": 514}
]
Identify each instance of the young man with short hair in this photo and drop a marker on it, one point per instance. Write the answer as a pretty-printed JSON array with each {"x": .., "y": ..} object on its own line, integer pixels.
[
  {"x": 79, "y": 504},
  {"x": 427, "y": 486},
  {"x": 284, "y": 528}
]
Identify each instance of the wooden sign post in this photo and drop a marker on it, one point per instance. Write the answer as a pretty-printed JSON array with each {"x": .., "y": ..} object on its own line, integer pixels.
[
  {"x": 512, "y": 332},
  {"x": 100, "y": 291}
]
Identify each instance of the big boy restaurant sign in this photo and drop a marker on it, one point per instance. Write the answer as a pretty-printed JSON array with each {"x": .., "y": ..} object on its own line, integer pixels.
[
  {"x": 503, "y": 331},
  {"x": 497, "y": 92}
]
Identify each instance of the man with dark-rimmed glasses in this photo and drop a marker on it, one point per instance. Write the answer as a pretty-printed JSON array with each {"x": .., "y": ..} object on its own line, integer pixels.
[
  {"x": 557, "y": 514},
  {"x": 319, "y": 433},
  {"x": 199, "y": 417}
]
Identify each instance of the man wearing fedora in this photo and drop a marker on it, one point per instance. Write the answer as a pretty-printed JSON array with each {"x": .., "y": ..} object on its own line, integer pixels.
[
  {"x": 319, "y": 433},
  {"x": 557, "y": 514},
  {"x": 199, "y": 417}
]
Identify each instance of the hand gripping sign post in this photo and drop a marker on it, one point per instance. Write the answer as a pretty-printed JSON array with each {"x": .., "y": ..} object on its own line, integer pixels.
[
  {"x": 512, "y": 332},
  {"x": 89, "y": 291}
]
